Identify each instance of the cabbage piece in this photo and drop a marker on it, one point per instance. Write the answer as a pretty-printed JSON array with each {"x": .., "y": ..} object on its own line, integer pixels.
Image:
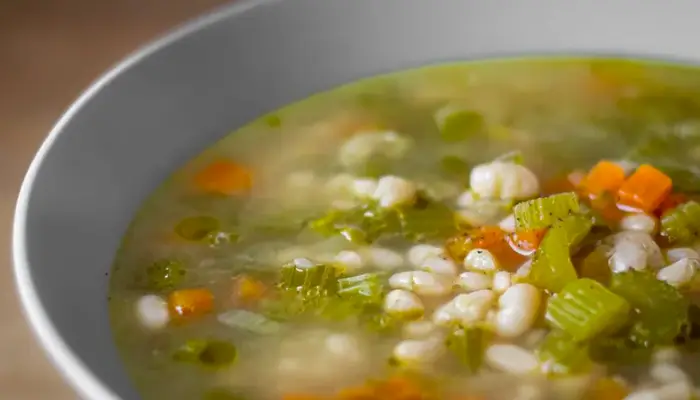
[
  {"x": 584, "y": 309},
  {"x": 543, "y": 212}
]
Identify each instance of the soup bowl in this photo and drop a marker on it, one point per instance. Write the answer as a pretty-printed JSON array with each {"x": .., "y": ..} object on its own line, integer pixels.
[{"x": 171, "y": 99}]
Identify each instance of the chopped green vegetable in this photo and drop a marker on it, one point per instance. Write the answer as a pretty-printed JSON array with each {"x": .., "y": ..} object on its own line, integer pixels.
[
  {"x": 249, "y": 321},
  {"x": 457, "y": 124},
  {"x": 432, "y": 221},
  {"x": 584, "y": 309},
  {"x": 551, "y": 266},
  {"x": 468, "y": 345},
  {"x": 560, "y": 354},
  {"x": 545, "y": 211},
  {"x": 361, "y": 288},
  {"x": 359, "y": 225},
  {"x": 617, "y": 351},
  {"x": 595, "y": 265},
  {"x": 308, "y": 279},
  {"x": 682, "y": 224},
  {"x": 207, "y": 353},
  {"x": 196, "y": 228},
  {"x": 661, "y": 310},
  {"x": 164, "y": 275}
]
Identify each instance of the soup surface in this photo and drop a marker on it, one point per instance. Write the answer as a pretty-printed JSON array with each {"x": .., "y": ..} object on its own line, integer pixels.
[{"x": 517, "y": 229}]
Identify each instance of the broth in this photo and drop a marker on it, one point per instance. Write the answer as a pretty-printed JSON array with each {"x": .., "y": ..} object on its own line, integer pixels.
[{"x": 281, "y": 262}]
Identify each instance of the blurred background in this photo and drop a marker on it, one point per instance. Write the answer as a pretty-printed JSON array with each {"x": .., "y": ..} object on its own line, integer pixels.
[{"x": 50, "y": 50}]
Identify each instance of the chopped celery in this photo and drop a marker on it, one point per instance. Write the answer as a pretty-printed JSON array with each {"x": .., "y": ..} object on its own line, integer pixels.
[
  {"x": 551, "y": 266},
  {"x": 431, "y": 221},
  {"x": 249, "y": 321},
  {"x": 682, "y": 224},
  {"x": 458, "y": 124},
  {"x": 468, "y": 345},
  {"x": 308, "y": 279},
  {"x": 164, "y": 275},
  {"x": 661, "y": 310},
  {"x": 619, "y": 351},
  {"x": 359, "y": 225},
  {"x": 545, "y": 211},
  {"x": 560, "y": 354},
  {"x": 207, "y": 353},
  {"x": 584, "y": 309},
  {"x": 364, "y": 287},
  {"x": 196, "y": 228}
]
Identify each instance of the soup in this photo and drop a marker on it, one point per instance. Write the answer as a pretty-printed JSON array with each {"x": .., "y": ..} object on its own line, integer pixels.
[{"x": 516, "y": 229}]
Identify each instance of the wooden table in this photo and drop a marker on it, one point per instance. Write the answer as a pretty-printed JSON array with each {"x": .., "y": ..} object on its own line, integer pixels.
[{"x": 50, "y": 50}]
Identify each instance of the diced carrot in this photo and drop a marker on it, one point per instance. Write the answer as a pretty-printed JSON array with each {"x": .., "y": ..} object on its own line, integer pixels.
[
  {"x": 673, "y": 200},
  {"x": 605, "y": 176},
  {"x": 525, "y": 242},
  {"x": 491, "y": 238},
  {"x": 247, "y": 290},
  {"x": 607, "y": 389},
  {"x": 645, "y": 190},
  {"x": 224, "y": 177},
  {"x": 190, "y": 302},
  {"x": 399, "y": 388}
]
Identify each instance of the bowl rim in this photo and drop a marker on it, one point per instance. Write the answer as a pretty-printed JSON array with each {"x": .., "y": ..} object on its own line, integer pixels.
[{"x": 68, "y": 364}]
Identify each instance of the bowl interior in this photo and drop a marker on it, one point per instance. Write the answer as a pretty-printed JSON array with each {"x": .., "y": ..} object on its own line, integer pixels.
[{"x": 172, "y": 99}]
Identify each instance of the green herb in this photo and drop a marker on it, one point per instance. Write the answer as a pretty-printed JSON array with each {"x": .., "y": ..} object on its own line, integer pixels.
[
  {"x": 164, "y": 275},
  {"x": 361, "y": 288},
  {"x": 308, "y": 279},
  {"x": 584, "y": 309},
  {"x": 661, "y": 310},
  {"x": 206, "y": 353},
  {"x": 196, "y": 228}
]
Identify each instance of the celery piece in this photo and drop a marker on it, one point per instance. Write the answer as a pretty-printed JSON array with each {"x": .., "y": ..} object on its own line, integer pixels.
[
  {"x": 432, "y": 221},
  {"x": 308, "y": 279},
  {"x": 559, "y": 354},
  {"x": 206, "y": 353},
  {"x": 551, "y": 266},
  {"x": 363, "y": 288},
  {"x": 661, "y": 310},
  {"x": 584, "y": 309},
  {"x": 545, "y": 211},
  {"x": 681, "y": 224},
  {"x": 196, "y": 228},
  {"x": 458, "y": 124},
  {"x": 359, "y": 225},
  {"x": 468, "y": 345},
  {"x": 619, "y": 352},
  {"x": 249, "y": 321}
]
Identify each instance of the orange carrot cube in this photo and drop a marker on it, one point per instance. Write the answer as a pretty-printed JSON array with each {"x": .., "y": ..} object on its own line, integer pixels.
[
  {"x": 224, "y": 177},
  {"x": 645, "y": 190},
  {"x": 605, "y": 176},
  {"x": 190, "y": 302}
]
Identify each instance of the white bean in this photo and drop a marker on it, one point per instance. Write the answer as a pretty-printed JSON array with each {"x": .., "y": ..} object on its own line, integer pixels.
[
  {"x": 666, "y": 355},
  {"x": 418, "y": 351},
  {"x": 680, "y": 390},
  {"x": 467, "y": 199},
  {"x": 421, "y": 282},
  {"x": 440, "y": 265},
  {"x": 678, "y": 253},
  {"x": 393, "y": 191},
  {"x": 343, "y": 345},
  {"x": 679, "y": 273},
  {"x": 360, "y": 147},
  {"x": 473, "y": 281},
  {"x": 351, "y": 260},
  {"x": 508, "y": 223},
  {"x": 510, "y": 358},
  {"x": 634, "y": 250},
  {"x": 384, "y": 258},
  {"x": 419, "y": 329},
  {"x": 152, "y": 312},
  {"x": 364, "y": 187},
  {"x": 501, "y": 281},
  {"x": 421, "y": 252},
  {"x": 517, "y": 310},
  {"x": 667, "y": 373},
  {"x": 480, "y": 260},
  {"x": 503, "y": 180},
  {"x": 638, "y": 222},
  {"x": 404, "y": 304},
  {"x": 466, "y": 309}
]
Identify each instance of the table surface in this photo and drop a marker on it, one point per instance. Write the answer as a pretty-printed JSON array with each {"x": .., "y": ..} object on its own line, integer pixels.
[{"x": 50, "y": 50}]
